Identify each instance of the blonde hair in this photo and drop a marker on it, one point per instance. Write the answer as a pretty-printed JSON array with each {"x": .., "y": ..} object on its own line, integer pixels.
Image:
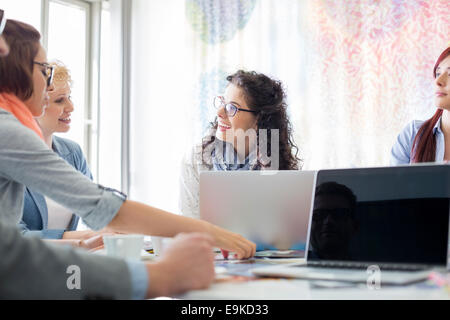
[{"x": 61, "y": 75}]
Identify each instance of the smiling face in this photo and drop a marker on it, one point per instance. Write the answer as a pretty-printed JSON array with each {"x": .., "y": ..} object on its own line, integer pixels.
[
  {"x": 443, "y": 84},
  {"x": 229, "y": 127},
  {"x": 57, "y": 114},
  {"x": 39, "y": 99}
]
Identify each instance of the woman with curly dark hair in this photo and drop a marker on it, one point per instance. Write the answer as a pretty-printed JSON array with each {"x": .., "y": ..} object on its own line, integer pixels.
[{"x": 251, "y": 132}]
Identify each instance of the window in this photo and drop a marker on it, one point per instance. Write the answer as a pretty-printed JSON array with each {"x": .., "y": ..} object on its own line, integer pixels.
[
  {"x": 78, "y": 33},
  {"x": 14, "y": 10},
  {"x": 110, "y": 104},
  {"x": 67, "y": 41}
]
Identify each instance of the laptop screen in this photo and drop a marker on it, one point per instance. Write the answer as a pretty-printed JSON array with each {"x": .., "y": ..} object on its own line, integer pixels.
[{"x": 384, "y": 215}]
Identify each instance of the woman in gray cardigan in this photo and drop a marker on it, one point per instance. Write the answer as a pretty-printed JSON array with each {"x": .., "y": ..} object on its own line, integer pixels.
[{"x": 25, "y": 160}]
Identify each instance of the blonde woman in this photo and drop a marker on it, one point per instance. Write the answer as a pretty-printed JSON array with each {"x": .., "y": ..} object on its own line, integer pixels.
[{"x": 42, "y": 216}]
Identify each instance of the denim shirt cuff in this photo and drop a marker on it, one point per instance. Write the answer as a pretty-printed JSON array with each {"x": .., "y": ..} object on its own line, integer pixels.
[
  {"x": 44, "y": 234},
  {"x": 52, "y": 233},
  {"x": 139, "y": 279}
]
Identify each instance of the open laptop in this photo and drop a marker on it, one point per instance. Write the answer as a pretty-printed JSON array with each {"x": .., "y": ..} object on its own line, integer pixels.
[
  {"x": 270, "y": 208},
  {"x": 392, "y": 218}
]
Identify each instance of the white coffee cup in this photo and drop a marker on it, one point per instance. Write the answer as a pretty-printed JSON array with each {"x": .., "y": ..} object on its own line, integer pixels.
[
  {"x": 159, "y": 244},
  {"x": 127, "y": 246}
]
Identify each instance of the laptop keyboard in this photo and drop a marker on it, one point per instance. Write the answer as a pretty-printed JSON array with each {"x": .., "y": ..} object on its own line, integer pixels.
[{"x": 360, "y": 266}]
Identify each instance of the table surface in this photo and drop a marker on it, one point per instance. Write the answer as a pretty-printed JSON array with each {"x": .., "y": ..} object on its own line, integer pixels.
[
  {"x": 241, "y": 285},
  {"x": 235, "y": 281}
]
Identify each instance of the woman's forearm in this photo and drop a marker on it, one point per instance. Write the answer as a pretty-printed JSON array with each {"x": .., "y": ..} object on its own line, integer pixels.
[{"x": 135, "y": 217}]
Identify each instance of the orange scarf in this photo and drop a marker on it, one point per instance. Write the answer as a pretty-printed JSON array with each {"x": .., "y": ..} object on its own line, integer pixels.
[{"x": 12, "y": 104}]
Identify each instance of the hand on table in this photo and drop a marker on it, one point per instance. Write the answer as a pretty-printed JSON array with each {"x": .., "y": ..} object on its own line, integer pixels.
[
  {"x": 230, "y": 241},
  {"x": 88, "y": 239},
  {"x": 186, "y": 264}
]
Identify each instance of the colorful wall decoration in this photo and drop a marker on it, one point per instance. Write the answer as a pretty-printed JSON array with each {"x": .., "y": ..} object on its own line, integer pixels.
[{"x": 356, "y": 71}]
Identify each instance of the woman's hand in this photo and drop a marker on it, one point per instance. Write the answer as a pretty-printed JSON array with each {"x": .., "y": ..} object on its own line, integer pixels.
[
  {"x": 186, "y": 264},
  {"x": 230, "y": 241},
  {"x": 93, "y": 243},
  {"x": 88, "y": 239},
  {"x": 135, "y": 217}
]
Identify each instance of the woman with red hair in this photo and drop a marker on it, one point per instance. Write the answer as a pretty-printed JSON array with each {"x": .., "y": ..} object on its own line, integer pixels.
[{"x": 429, "y": 141}]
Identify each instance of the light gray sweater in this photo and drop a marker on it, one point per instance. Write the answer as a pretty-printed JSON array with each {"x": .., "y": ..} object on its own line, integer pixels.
[
  {"x": 25, "y": 160},
  {"x": 29, "y": 268}
]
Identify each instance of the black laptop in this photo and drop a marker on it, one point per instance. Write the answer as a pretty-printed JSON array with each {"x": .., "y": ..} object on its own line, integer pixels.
[{"x": 393, "y": 219}]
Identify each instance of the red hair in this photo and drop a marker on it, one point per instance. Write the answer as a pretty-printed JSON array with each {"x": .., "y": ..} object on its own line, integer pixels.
[{"x": 424, "y": 144}]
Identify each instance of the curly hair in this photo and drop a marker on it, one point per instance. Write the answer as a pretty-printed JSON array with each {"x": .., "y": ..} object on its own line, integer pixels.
[
  {"x": 61, "y": 75},
  {"x": 267, "y": 97}
]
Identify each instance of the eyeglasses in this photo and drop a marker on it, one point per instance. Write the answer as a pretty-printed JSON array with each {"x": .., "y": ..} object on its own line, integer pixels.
[
  {"x": 230, "y": 109},
  {"x": 49, "y": 70},
  {"x": 338, "y": 214},
  {"x": 2, "y": 21}
]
